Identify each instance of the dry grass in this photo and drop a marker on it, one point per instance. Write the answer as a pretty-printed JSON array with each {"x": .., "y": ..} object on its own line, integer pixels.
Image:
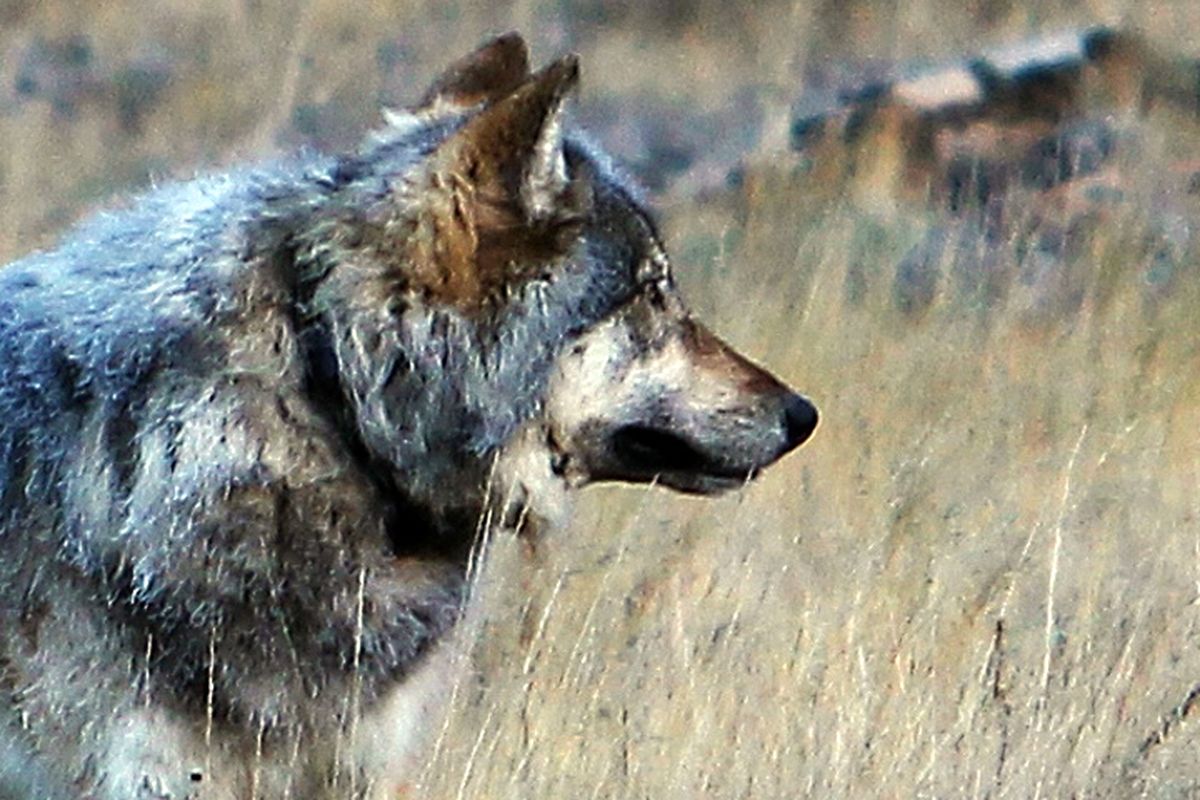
[
  {"x": 979, "y": 580},
  {"x": 981, "y": 577}
]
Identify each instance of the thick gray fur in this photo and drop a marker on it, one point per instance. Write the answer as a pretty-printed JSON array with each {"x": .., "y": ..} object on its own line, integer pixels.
[
  {"x": 249, "y": 424},
  {"x": 222, "y": 410}
]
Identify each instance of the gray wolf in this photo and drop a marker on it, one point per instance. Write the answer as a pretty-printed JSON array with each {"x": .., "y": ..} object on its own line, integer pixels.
[{"x": 248, "y": 425}]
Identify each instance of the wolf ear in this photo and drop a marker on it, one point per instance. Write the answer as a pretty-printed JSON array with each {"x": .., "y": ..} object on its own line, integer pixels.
[
  {"x": 513, "y": 148},
  {"x": 495, "y": 69}
]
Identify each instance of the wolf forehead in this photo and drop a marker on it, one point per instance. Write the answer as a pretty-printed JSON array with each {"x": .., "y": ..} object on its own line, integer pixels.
[{"x": 497, "y": 189}]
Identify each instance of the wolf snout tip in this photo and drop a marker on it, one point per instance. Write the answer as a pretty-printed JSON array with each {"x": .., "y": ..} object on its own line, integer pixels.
[{"x": 799, "y": 420}]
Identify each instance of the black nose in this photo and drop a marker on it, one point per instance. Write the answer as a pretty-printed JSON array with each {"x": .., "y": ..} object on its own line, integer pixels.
[{"x": 800, "y": 420}]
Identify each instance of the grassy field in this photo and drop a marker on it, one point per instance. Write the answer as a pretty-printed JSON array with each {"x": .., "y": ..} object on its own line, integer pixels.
[
  {"x": 982, "y": 576},
  {"x": 979, "y": 580}
]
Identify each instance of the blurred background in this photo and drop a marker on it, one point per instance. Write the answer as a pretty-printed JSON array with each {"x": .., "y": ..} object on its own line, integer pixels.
[{"x": 966, "y": 229}]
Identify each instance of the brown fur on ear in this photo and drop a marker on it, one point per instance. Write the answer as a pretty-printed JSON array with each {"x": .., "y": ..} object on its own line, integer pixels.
[
  {"x": 493, "y": 70},
  {"x": 503, "y": 207},
  {"x": 513, "y": 149}
]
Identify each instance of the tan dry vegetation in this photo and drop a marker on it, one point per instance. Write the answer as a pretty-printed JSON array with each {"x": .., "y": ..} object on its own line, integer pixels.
[
  {"x": 979, "y": 580},
  {"x": 982, "y": 576}
]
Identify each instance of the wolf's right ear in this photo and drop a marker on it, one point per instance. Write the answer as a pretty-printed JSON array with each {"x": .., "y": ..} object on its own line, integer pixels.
[{"x": 512, "y": 150}]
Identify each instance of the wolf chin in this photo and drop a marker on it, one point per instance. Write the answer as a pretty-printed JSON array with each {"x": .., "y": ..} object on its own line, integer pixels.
[{"x": 249, "y": 424}]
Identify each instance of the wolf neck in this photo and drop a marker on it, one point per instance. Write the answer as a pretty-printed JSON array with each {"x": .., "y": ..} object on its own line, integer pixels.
[{"x": 430, "y": 393}]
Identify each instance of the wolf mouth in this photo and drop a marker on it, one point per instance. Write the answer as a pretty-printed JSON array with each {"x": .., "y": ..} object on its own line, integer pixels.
[{"x": 647, "y": 452}]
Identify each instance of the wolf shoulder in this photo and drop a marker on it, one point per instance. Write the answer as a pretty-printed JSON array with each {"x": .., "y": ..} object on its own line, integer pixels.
[
  {"x": 172, "y": 257},
  {"x": 180, "y": 285}
]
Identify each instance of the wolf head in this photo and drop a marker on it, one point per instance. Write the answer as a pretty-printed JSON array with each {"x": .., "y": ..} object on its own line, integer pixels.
[{"x": 511, "y": 302}]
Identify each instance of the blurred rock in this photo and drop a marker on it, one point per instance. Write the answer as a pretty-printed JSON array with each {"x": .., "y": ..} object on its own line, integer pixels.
[
  {"x": 66, "y": 74},
  {"x": 60, "y": 72},
  {"x": 136, "y": 89},
  {"x": 1016, "y": 151}
]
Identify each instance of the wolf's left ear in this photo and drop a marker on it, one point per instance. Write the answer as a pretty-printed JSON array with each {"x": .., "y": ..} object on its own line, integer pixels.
[
  {"x": 513, "y": 149},
  {"x": 493, "y": 70}
]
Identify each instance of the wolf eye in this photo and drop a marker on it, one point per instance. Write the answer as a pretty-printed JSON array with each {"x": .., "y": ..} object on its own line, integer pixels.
[
  {"x": 653, "y": 267},
  {"x": 655, "y": 295}
]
